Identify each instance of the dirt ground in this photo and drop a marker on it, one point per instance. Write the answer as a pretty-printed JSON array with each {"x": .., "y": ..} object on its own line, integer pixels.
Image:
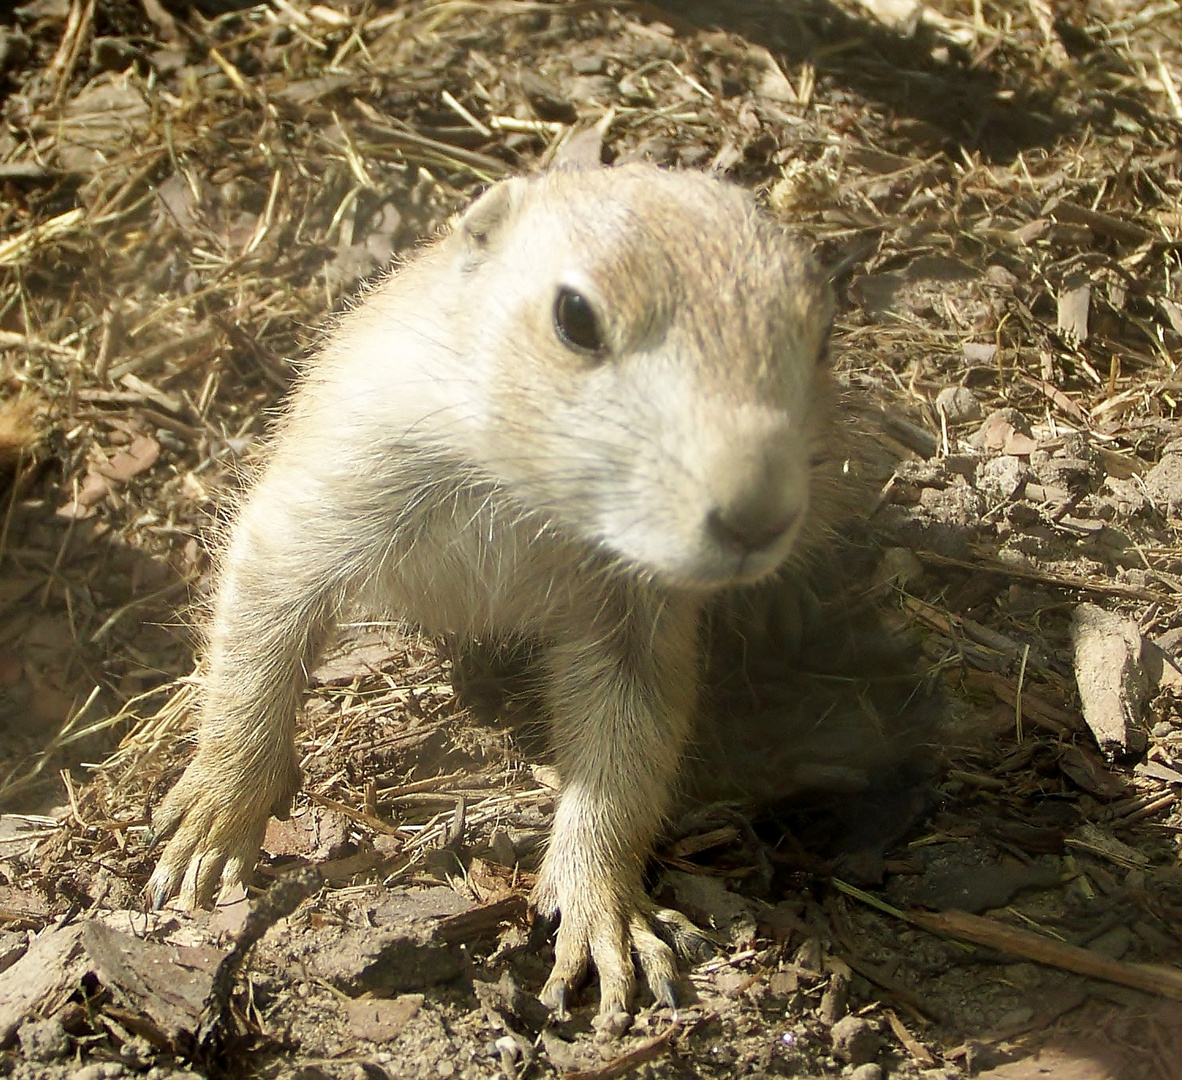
[{"x": 986, "y": 878}]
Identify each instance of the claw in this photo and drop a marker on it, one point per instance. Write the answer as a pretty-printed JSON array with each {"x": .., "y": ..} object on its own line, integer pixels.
[
  {"x": 696, "y": 948},
  {"x": 665, "y": 994},
  {"x": 612, "y": 938},
  {"x": 554, "y": 996}
]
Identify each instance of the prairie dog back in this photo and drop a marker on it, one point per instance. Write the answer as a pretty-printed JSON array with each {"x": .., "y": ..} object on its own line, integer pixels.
[{"x": 599, "y": 398}]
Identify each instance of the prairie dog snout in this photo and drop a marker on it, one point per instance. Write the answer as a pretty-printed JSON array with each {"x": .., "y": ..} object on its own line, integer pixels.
[{"x": 597, "y": 399}]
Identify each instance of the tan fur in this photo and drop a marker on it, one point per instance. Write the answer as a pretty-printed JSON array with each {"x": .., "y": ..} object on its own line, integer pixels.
[
  {"x": 449, "y": 458},
  {"x": 20, "y": 430}
]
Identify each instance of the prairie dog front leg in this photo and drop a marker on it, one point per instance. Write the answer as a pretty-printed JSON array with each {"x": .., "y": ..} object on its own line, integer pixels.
[
  {"x": 273, "y": 611},
  {"x": 621, "y": 694}
]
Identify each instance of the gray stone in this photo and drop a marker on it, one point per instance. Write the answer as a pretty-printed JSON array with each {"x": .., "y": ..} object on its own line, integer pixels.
[
  {"x": 1163, "y": 482},
  {"x": 959, "y": 404},
  {"x": 88, "y": 1072},
  {"x": 869, "y": 1071},
  {"x": 43, "y": 1040},
  {"x": 1002, "y": 478},
  {"x": 854, "y": 1040},
  {"x": 400, "y": 953},
  {"x": 110, "y": 1070}
]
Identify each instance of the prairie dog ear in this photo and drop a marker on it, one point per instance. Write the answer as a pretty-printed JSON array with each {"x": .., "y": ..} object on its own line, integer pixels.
[{"x": 488, "y": 215}]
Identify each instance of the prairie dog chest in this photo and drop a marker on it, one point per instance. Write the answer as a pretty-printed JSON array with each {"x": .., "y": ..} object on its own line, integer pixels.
[{"x": 476, "y": 566}]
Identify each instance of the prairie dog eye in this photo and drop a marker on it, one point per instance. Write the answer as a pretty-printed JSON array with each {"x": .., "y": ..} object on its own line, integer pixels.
[{"x": 575, "y": 322}]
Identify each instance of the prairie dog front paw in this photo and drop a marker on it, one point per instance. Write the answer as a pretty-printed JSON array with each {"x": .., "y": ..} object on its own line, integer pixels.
[
  {"x": 610, "y": 928},
  {"x": 216, "y": 825}
]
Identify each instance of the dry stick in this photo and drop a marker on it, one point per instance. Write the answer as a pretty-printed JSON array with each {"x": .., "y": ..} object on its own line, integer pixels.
[
  {"x": 625, "y": 1063},
  {"x": 79, "y": 22},
  {"x": 991, "y": 566},
  {"x": 1151, "y": 808},
  {"x": 1039, "y": 712},
  {"x": 873, "y": 973},
  {"x": 914, "y": 1047},
  {"x": 1018, "y": 693},
  {"x": 279, "y": 901},
  {"x": 483, "y": 165},
  {"x": 960, "y": 925},
  {"x": 1151, "y": 978},
  {"x": 362, "y": 818}
]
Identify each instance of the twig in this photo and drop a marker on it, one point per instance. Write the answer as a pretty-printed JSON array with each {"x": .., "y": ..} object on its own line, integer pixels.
[
  {"x": 625, "y": 1063},
  {"x": 963, "y": 927},
  {"x": 1151, "y": 978},
  {"x": 1018, "y": 693},
  {"x": 279, "y": 901},
  {"x": 986, "y": 565}
]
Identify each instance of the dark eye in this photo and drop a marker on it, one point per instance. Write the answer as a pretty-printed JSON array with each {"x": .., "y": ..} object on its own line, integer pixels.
[{"x": 575, "y": 321}]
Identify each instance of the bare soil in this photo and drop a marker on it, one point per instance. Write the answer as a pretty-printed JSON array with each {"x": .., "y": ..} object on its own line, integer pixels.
[{"x": 988, "y": 883}]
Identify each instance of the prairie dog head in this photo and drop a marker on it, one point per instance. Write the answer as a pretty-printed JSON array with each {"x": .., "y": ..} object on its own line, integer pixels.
[{"x": 652, "y": 354}]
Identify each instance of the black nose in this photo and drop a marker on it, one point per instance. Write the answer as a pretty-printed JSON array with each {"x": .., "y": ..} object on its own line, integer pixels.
[{"x": 750, "y": 527}]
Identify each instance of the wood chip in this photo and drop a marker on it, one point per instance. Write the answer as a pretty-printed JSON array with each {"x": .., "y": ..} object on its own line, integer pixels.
[
  {"x": 168, "y": 984},
  {"x": 1112, "y": 684},
  {"x": 913, "y": 1046},
  {"x": 1074, "y": 304},
  {"x": 40, "y": 981}
]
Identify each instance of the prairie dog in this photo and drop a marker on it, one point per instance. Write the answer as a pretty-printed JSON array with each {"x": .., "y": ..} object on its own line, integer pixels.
[{"x": 593, "y": 403}]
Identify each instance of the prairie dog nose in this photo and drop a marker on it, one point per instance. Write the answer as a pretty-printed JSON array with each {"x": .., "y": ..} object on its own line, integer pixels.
[
  {"x": 757, "y": 481},
  {"x": 760, "y": 492},
  {"x": 753, "y": 524}
]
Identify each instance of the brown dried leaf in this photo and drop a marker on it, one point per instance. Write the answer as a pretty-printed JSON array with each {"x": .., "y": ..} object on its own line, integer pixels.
[
  {"x": 1090, "y": 773},
  {"x": 999, "y": 433},
  {"x": 139, "y": 456}
]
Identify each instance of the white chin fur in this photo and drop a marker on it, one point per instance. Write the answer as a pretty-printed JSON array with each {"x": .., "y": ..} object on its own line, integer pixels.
[{"x": 709, "y": 567}]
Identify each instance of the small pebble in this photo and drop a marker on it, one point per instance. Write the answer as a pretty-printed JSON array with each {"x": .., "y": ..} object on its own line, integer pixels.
[
  {"x": 112, "y": 54},
  {"x": 43, "y": 1040},
  {"x": 611, "y": 1026},
  {"x": 959, "y": 404},
  {"x": 87, "y": 1072},
  {"x": 1001, "y": 477},
  {"x": 506, "y": 1046},
  {"x": 869, "y": 1071},
  {"x": 137, "y": 1053},
  {"x": 854, "y": 1040},
  {"x": 502, "y": 851}
]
